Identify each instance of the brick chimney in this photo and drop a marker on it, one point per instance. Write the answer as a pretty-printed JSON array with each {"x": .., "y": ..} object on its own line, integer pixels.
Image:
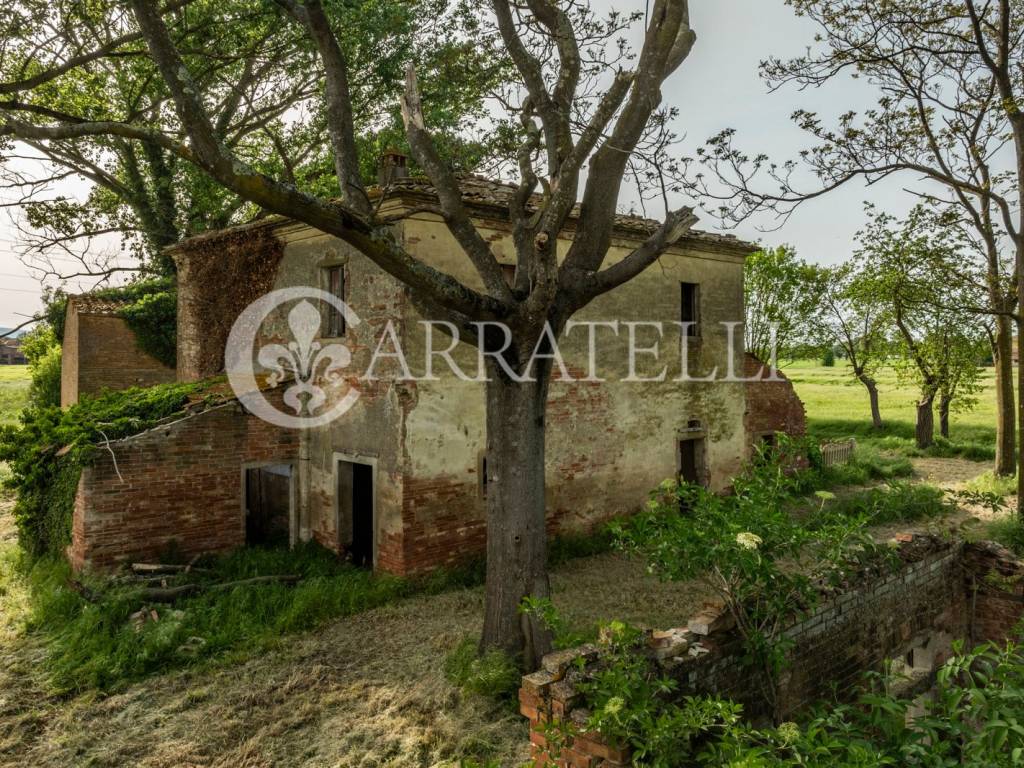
[{"x": 393, "y": 166}]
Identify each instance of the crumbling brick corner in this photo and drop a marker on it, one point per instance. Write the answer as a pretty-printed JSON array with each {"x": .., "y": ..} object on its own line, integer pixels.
[
  {"x": 772, "y": 403},
  {"x": 944, "y": 590}
]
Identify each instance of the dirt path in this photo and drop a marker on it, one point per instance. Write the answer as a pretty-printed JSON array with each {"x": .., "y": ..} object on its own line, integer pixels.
[{"x": 948, "y": 473}]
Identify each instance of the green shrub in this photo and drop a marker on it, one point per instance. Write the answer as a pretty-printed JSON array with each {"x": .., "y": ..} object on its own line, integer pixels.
[
  {"x": 828, "y": 359},
  {"x": 748, "y": 548},
  {"x": 1008, "y": 531},
  {"x": 493, "y": 673},
  {"x": 971, "y": 719},
  {"x": 632, "y": 705},
  {"x": 895, "y": 502},
  {"x": 42, "y": 350}
]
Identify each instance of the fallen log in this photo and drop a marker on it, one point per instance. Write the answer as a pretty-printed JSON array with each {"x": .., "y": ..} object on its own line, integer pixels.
[
  {"x": 171, "y": 594},
  {"x": 151, "y": 569}
]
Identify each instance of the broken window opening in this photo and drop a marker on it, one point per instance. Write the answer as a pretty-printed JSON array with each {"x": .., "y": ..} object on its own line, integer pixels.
[
  {"x": 690, "y": 309},
  {"x": 334, "y": 284}
]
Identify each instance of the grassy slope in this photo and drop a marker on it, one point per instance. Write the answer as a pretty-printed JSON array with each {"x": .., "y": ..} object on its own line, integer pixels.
[
  {"x": 13, "y": 391},
  {"x": 837, "y": 407}
]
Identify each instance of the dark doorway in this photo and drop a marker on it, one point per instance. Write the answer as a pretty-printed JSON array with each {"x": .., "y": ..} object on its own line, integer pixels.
[
  {"x": 268, "y": 505},
  {"x": 355, "y": 511},
  {"x": 691, "y": 461}
]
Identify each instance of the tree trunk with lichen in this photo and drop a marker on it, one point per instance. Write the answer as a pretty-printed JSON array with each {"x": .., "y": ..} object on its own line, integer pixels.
[{"x": 516, "y": 515}]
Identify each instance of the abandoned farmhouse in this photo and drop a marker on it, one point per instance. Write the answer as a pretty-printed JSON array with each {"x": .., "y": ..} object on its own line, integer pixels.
[{"x": 399, "y": 482}]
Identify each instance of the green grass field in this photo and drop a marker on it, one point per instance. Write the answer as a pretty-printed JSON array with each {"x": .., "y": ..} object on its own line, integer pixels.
[
  {"x": 13, "y": 391},
  {"x": 837, "y": 407}
]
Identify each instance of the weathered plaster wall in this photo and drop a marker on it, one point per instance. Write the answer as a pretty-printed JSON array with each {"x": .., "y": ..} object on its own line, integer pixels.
[
  {"x": 101, "y": 352},
  {"x": 608, "y": 443},
  {"x": 372, "y": 430}
]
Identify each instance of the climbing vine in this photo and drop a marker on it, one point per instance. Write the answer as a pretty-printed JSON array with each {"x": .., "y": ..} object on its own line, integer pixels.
[
  {"x": 149, "y": 307},
  {"x": 47, "y": 451},
  {"x": 224, "y": 272}
]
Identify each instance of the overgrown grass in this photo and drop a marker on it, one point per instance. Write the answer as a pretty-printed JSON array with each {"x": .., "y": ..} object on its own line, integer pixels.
[
  {"x": 493, "y": 674},
  {"x": 989, "y": 482},
  {"x": 868, "y": 464},
  {"x": 894, "y": 503},
  {"x": 98, "y": 644},
  {"x": 838, "y": 408},
  {"x": 96, "y": 639}
]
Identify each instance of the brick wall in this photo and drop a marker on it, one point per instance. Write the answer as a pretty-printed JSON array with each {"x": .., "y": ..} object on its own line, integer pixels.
[
  {"x": 101, "y": 352},
  {"x": 772, "y": 405},
  {"x": 180, "y": 485},
  {"x": 944, "y": 591}
]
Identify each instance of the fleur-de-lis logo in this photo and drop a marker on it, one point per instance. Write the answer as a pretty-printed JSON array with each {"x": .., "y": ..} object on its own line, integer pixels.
[
  {"x": 305, "y": 359},
  {"x": 310, "y": 370}
]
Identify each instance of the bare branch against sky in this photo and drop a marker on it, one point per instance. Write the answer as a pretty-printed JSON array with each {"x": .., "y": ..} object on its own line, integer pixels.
[{"x": 720, "y": 87}]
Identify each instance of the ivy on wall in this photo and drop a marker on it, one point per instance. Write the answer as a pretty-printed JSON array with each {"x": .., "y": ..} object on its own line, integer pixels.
[
  {"x": 47, "y": 451},
  {"x": 150, "y": 310},
  {"x": 222, "y": 273}
]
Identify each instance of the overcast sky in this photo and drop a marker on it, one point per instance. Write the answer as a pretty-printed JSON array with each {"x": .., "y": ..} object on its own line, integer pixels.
[{"x": 716, "y": 88}]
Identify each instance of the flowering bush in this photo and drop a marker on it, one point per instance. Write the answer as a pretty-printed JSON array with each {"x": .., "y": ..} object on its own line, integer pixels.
[{"x": 765, "y": 564}]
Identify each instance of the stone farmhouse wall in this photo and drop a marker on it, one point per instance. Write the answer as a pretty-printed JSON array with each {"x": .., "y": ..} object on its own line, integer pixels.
[
  {"x": 608, "y": 444},
  {"x": 177, "y": 486},
  {"x": 944, "y": 591},
  {"x": 100, "y": 352}
]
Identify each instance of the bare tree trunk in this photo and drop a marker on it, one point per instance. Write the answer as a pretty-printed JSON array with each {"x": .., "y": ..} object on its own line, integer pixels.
[
  {"x": 516, "y": 532},
  {"x": 872, "y": 387},
  {"x": 925, "y": 431},
  {"x": 1006, "y": 427},
  {"x": 1020, "y": 392},
  {"x": 944, "y": 403}
]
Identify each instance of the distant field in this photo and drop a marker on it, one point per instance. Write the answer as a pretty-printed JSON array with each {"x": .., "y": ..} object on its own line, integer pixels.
[
  {"x": 13, "y": 391},
  {"x": 837, "y": 407}
]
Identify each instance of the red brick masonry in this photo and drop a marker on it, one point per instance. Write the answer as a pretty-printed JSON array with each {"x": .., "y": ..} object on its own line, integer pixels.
[
  {"x": 180, "y": 486},
  {"x": 945, "y": 591}
]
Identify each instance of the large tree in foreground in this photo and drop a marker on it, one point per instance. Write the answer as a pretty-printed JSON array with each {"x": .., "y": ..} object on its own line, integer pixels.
[{"x": 580, "y": 104}]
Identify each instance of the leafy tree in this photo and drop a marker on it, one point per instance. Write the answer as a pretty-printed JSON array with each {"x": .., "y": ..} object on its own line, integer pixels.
[
  {"x": 856, "y": 325},
  {"x": 579, "y": 100},
  {"x": 261, "y": 74},
  {"x": 949, "y": 76},
  {"x": 42, "y": 350},
  {"x": 938, "y": 338},
  {"x": 781, "y": 293}
]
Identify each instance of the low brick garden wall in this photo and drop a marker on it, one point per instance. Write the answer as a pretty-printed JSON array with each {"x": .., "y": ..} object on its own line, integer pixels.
[{"x": 945, "y": 590}]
